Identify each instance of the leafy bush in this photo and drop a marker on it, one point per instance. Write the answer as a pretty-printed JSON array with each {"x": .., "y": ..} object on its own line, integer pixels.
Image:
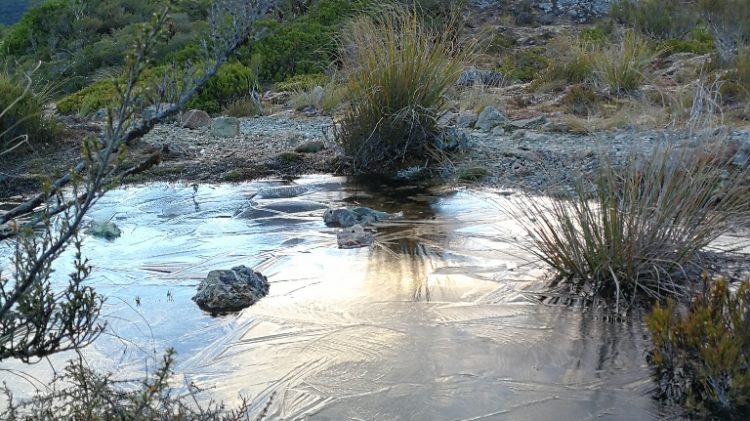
[
  {"x": 397, "y": 73},
  {"x": 302, "y": 82},
  {"x": 643, "y": 226},
  {"x": 90, "y": 99},
  {"x": 700, "y": 359},
  {"x": 22, "y": 115},
  {"x": 232, "y": 82},
  {"x": 698, "y": 41},
  {"x": 665, "y": 19},
  {"x": 305, "y": 44},
  {"x": 523, "y": 64}
]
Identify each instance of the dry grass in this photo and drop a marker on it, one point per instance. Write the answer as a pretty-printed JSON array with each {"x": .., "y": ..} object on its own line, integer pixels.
[
  {"x": 633, "y": 232},
  {"x": 398, "y": 71}
]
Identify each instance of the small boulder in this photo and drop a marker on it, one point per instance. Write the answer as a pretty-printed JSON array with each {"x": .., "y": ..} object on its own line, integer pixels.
[
  {"x": 490, "y": 118},
  {"x": 344, "y": 217},
  {"x": 225, "y": 127},
  {"x": 313, "y": 146},
  {"x": 195, "y": 119},
  {"x": 104, "y": 229},
  {"x": 354, "y": 237},
  {"x": 452, "y": 140},
  {"x": 231, "y": 290},
  {"x": 466, "y": 119}
]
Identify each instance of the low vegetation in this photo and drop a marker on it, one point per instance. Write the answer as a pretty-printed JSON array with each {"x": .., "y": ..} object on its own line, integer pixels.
[
  {"x": 637, "y": 232},
  {"x": 700, "y": 356},
  {"x": 22, "y": 117},
  {"x": 397, "y": 72}
]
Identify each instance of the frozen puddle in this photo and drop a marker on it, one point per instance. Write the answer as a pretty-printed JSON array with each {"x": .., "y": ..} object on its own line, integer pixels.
[{"x": 442, "y": 320}]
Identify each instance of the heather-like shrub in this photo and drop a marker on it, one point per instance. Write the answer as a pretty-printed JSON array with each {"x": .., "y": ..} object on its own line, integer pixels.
[{"x": 701, "y": 358}]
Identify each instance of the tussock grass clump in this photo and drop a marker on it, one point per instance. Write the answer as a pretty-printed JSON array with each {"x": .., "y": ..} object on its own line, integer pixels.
[
  {"x": 701, "y": 359},
  {"x": 397, "y": 72},
  {"x": 637, "y": 231},
  {"x": 22, "y": 119},
  {"x": 623, "y": 66}
]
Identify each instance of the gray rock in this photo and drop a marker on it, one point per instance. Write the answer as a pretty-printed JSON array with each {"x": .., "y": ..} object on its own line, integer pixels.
[
  {"x": 529, "y": 123},
  {"x": 225, "y": 127},
  {"x": 343, "y": 217},
  {"x": 489, "y": 118},
  {"x": 283, "y": 192},
  {"x": 104, "y": 229},
  {"x": 354, "y": 237},
  {"x": 466, "y": 119},
  {"x": 472, "y": 76},
  {"x": 452, "y": 140},
  {"x": 447, "y": 119},
  {"x": 313, "y": 146},
  {"x": 195, "y": 119},
  {"x": 231, "y": 290}
]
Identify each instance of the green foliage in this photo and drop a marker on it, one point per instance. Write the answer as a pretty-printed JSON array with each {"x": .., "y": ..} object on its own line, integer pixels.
[
  {"x": 636, "y": 231},
  {"x": 232, "y": 82},
  {"x": 698, "y": 41},
  {"x": 302, "y": 82},
  {"x": 595, "y": 35},
  {"x": 523, "y": 64},
  {"x": 701, "y": 359},
  {"x": 472, "y": 174},
  {"x": 571, "y": 63},
  {"x": 22, "y": 114},
  {"x": 90, "y": 99},
  {"x": 735, "y": 83},
  {"x": 305, "y": 44},
  {"x": 500, "y": 43},
  {"x": 664, "y": 19},
  {"x": 398, "y": 71}
]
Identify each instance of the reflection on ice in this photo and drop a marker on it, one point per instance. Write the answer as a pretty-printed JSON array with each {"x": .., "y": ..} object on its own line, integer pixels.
[{"x": 440, "y": 320}]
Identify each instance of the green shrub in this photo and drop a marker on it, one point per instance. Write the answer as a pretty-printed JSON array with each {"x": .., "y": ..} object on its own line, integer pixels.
[
  {"x": 523, "y": 64},
  {"x": 90, "y": 99},
  {"x": 701, "y": 359},
  {"x": 735, "y": 83},
  {"x": 642, "y": 227},
  {"x": 305, "y": 44},
  {"x": 22, "y": 114},
  {"x": 595, "y": 35},
  {"x": 572, "y": 63},
  {"x": 232, "y": 82},
  {"x": 397, "y": 73},
  {"x": 302, "y": 82},
  {"x": 665, "y": 19},
  {"x": 698, "y": 41}
]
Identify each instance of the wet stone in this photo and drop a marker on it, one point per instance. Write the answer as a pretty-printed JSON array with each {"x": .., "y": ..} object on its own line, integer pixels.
[
  {"x": 354, "y": 237},
  {"x": 281, "y": 192},
  {"x": 231, "y": 290},
  {"x": 104, "y": 229},
  {"x": 343, "y": 217}
]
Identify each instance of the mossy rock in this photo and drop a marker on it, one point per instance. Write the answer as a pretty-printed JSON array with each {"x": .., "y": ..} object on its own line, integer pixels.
[{"x": 289, "y": 157}]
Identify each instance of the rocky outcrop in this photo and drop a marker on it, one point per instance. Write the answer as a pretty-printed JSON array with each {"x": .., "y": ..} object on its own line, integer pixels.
[
  {"x": 472, "y": 76},
  {"x": 195, "y": 119},
  {"x": 578, "y": 10},
  {"x": 281, "y": 192},
  {"x": 489, "y": 118},
  {"x": 355, "y": 236},
  {"x": 231, "y": 290}
]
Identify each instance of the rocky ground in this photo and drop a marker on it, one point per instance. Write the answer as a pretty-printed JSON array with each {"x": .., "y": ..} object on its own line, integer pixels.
[{"x": 530, "y": 154}]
